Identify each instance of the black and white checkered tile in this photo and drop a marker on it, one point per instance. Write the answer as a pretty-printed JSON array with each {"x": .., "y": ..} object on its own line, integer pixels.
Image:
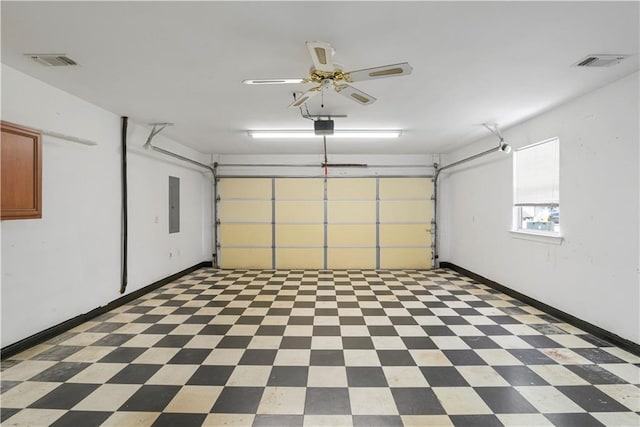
[{"x": 316, "y": 348}]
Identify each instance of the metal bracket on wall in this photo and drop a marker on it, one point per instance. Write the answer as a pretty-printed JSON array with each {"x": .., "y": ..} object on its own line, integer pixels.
[{"x": 157, "y": 128}]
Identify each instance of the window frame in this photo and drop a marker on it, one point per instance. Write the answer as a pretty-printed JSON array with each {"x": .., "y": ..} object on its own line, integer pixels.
[{"x": 517, "y": 210}]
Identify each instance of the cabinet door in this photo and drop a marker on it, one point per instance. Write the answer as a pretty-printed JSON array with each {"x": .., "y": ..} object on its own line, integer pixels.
[{"x": 21, "y": 154}]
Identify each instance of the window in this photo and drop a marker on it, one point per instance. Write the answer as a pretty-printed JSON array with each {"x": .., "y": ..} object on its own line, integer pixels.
[{"x": 536, "y": 188}]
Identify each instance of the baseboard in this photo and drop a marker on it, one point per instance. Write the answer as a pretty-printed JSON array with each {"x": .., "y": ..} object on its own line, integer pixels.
[
  {"x": 597, "y": 331},
  {"x": 53, "y": 331}
]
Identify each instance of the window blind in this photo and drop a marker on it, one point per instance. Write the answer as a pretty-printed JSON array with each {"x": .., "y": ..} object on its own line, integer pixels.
[{"x": 537, "y": 174}]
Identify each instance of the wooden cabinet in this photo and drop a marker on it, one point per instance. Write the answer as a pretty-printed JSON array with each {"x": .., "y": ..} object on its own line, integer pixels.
[{"x": 21, "y": 163}]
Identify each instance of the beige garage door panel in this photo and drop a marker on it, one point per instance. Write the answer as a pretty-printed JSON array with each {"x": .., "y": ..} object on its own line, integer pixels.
[
  {"x": 351, "y": 235},
  {"x": 300, "y": 211},
  {"x": 405, "y": 188},
  {"x": 299, "y": 235},
  {"x": 405, "y": 258},
  {"x": 288, "y": 258},
  {"x": 351, "y": 212},
  {"x": 351, "y": 189},
  {"x": 418, "y": 211},
  {"x": 405, "y": 235},
  {"x": 245, "y": 188},
  {"x": 341, "y": 258},
  {"x": 245, "y": 257},
  {"x": 245, "y": 234},
  {"x": 299, "y": 188},
  {"x": 245, "y": 211}
]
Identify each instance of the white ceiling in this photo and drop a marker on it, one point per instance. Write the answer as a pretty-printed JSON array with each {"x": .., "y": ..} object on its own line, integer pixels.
[{"x": 183, "y": 62}]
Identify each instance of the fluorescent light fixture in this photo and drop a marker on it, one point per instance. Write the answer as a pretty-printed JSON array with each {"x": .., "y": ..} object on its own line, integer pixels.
[{"x": 338, "y": 134}]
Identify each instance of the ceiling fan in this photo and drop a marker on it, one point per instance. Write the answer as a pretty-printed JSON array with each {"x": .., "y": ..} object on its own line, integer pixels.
[{"x": 327, "y": 74}]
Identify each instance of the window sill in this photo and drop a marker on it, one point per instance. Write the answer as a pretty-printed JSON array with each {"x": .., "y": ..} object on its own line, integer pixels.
[{"x": 554, "y": 239}]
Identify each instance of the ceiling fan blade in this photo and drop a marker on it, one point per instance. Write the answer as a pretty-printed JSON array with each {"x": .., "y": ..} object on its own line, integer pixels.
[
  {"x": 321, "y": 53},
  {"x": 355, "y": 95},
  {"x": 392, "y": 70},
  {"x": 302, "y": 99},
  {"x": 272, "y": 81}
]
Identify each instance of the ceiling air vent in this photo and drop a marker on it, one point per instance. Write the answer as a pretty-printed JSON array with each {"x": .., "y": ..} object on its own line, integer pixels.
[
  {"x": 600, "y": 60},
  {"x": 52, "y": 59}
]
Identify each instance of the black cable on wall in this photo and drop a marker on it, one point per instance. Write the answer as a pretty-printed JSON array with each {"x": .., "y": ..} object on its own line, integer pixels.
[{"x": 124, "y": 243}]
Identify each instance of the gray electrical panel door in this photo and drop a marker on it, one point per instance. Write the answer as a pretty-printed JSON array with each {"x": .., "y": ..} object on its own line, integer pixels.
[{"x": 174, "y": 204}]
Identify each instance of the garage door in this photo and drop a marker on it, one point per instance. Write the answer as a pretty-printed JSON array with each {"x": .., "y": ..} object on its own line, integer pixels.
[
  {"x": 351, "y": 223},
  {"x": 245, "y": 213},
  {"x": 333, "y": 223},
  {"x": 405, "y": 222},
  {"x": 299, "y": 223}
]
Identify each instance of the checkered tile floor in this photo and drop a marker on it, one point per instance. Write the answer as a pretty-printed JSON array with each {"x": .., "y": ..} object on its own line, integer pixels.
[{"x": 309, "y": 348}]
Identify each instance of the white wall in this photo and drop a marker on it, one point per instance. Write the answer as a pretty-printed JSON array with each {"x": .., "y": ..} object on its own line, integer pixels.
[
  {"x": 153, "y": 252},
  {"x": 68, "y": 262},
  {"x": 594, "y": 273}
]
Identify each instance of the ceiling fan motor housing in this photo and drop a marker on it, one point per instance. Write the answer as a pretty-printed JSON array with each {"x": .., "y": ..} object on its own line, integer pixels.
[{"x": 323, "y": 127}]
